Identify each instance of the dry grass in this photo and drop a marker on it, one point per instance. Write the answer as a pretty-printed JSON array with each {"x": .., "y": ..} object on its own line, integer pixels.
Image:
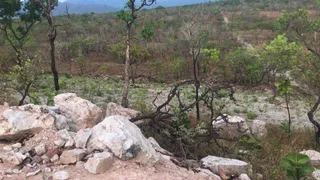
[
  {"x": 264, "y": 160},
  {"x": 276, "y": 146}
]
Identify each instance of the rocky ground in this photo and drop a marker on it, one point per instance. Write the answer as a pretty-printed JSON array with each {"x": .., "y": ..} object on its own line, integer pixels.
[{"x": 75, "y": 139}]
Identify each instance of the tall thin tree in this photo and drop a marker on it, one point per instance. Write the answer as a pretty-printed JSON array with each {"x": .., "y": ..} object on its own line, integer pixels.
[
  {"x": 195, "y": 36},
  {"x": 47, "y": 6},
  {"x": 129, "y": 18}
]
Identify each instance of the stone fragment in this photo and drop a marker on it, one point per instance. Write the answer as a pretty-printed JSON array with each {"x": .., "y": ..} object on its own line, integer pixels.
[
  {"x": 16, "y": 171},
  {"x": 314, "y": 157},
  {"x": 16, "y": 158},
  {"x": 158, "y": 148},
  {"x": 45, "y": 157},
  {"x": 258, "y": 128},
  {"x": 80, "y": 165},
  {"x": 72, "y": 156},
  {"x": 17, "y": 145},
  {"x": 99, "y": 163},
  {"x": 61, "y": 175},
  {"x": 40, "y": 149},
  {"x": 115, "y": 109},
  {"x": 36, "y": 159},
  {"x": 244, "y": 177},
  {"x": 82, "y": 138},
  {"x": 230, "y": 126},
  {"x": 59, "y": 143},
  {"x": 7, "y": 148},
  {"x": 47, "y": 170},
  {"x": 316, "y": 174},
  {"x": 33, "y": 173},
  {"x": 68, "y": 137},
  {"x": 207, "y": 172},
  {"x": 228, "y": 166},
  {"x": 55, "y": 158}
]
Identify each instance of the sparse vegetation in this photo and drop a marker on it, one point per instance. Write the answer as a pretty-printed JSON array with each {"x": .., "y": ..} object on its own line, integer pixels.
[{"x": 188, "y": 65}]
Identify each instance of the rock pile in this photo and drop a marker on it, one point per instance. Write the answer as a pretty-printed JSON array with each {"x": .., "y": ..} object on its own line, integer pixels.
[{"x": 56, "y": 141}]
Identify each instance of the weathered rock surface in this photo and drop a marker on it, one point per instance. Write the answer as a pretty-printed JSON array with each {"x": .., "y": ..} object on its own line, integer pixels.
[
  {"x": 82, "y": 112},
  {"x": 230, "y": 126},
  {"x": 82, "y": 138},
  {"x": 211, "y": 175},
  {"x": 61, "y": 175},
  {"x": 244, "y": 177},
  {"x": 16, "y": 158},
  {"x": 157, "y": 147},
  {"x": 228, "y": 166},
  {"x": 68, "y": 137},
  {"x": 99, "y": 163},
  {"x": 40, "y": 149},
  {"x": 19, "y": 122},
  {"x": 72, "y": 156},
  {"x": 124, "y": 139},
  {"x": 115, "y": 109},
  {"x": 316, "y": 174},
  {"x": 258, "y": 128},
  {"x": 55, "y": 158},
  {"x": 313, "y": 155}
]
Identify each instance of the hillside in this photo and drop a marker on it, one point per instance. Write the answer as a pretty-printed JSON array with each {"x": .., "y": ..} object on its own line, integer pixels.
[
  {"x": 76, "y": 8},
  {"x": 222, "y": 90},
  {"x": 121, "y": 3}
]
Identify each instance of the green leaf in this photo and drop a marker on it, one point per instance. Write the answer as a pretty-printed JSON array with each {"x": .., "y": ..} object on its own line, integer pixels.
[
  {"x": 286, "y": 164},
  {"x": 291, "y": 175},
  {"x": 307, "y": 170},
  {"x": 297, "y": 158}
]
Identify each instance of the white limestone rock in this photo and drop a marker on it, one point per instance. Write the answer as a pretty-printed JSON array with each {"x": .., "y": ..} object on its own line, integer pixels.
[
  {"x": 258, "y": 128},
  {"x": 314, "y": 157},
  {"x": 230, "y": 126},
  {"x": 82, "y": 138},
  {"x": 124, "y": 139},
  {"x": 72, "y": 156},
  {"x": 99, "y": 163},
  {"x": 228, "y": 166},
  {"x": 82, "y": 112}
]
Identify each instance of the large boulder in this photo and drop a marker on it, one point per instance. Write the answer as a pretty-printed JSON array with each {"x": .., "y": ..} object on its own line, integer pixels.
[
  {"x": 82, "y": 112},
  {"x": 124, "y": 139},
  {"x": 115, "y": 109},
  {"x": 258, "y": 128},
  {"x": 230, "y": 126},
  {"x": 313, "y": 155},
  {"x": 228, "y": 166},
  {"x": 19, "y": 122}
]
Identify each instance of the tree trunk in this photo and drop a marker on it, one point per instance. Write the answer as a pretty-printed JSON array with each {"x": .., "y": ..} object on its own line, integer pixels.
[
  {"x": 52, "y": 38},
  {"x": 53, "y": 64},
  {"x": 197, "y": 86},
  {"x": 124, "y": 101},
  {"x": 25, "y": 94},
  {"x": 289, "y": 114},
  {"x": 314, "y": 122}
]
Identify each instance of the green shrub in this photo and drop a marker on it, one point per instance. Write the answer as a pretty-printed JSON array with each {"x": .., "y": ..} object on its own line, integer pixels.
[
  {"x": 254, "y": 99},
  {"x": 224, "y": 93},
  {"x": 297, "y": 166},
  {"x": 251, "y": 115},
  {"x": 141, "y": 106}
]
